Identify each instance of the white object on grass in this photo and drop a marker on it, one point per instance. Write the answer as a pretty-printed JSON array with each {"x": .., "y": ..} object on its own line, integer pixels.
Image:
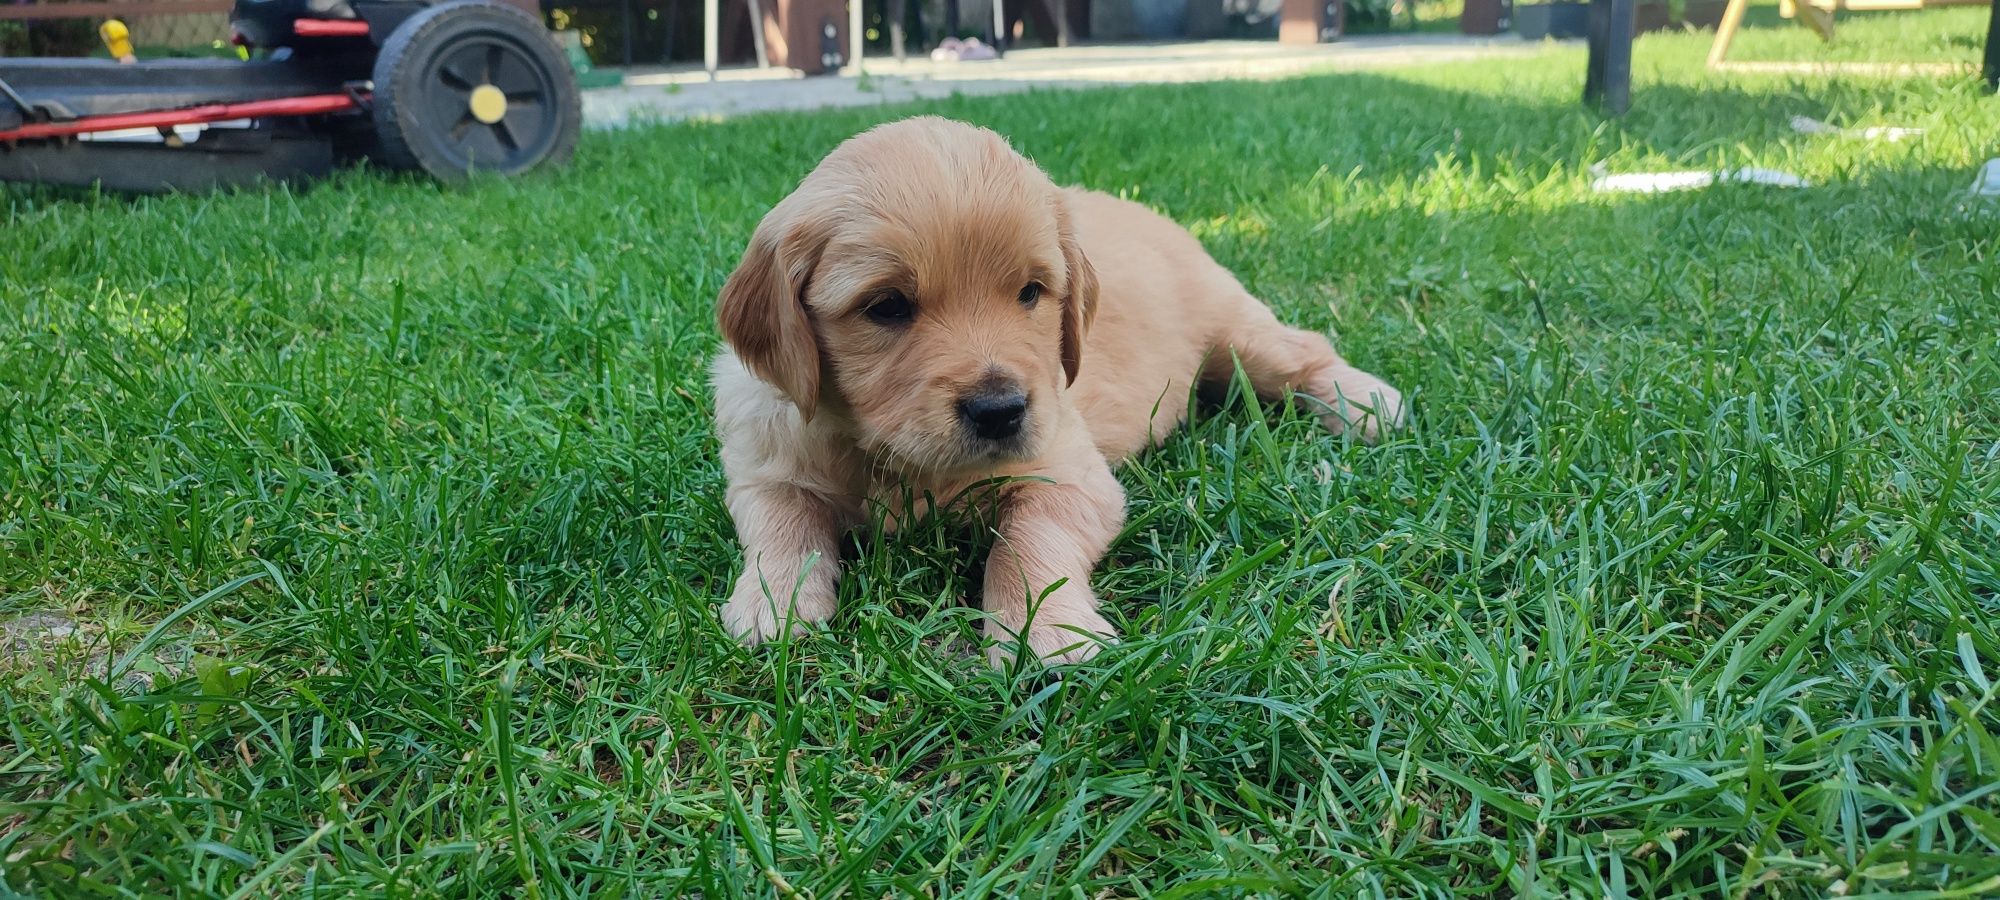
[
  {"x": 1987, "y": 182},
  {"x": 1662, "y": 182},
  {"x": 968, "y": 50},
  {"x": 1809, "y": 125}
]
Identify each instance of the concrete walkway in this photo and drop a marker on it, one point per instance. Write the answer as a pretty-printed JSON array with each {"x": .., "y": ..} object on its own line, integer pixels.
[{"x": 673, "y": 94}]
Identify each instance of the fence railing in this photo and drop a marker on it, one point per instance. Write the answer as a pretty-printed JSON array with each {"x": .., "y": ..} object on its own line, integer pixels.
[
  {"x": 70, "y": 28},
  {"x": 97, "y": 9}
]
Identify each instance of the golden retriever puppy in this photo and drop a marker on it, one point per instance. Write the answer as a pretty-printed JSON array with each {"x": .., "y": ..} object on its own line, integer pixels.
[{"x": 928, "y": 316}]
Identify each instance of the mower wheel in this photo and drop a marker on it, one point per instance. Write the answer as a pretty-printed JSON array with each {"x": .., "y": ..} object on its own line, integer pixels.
[{"x": 473, "y": 86}]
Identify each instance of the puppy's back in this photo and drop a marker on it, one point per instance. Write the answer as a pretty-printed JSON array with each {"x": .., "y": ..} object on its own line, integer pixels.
[{"x": 1161, "y": 302}]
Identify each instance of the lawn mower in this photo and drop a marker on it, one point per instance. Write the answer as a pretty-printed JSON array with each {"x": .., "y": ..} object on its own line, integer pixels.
[{"x": 446, "y": 88}]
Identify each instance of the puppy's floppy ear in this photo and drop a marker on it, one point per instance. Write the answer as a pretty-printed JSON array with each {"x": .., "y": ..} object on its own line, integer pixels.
[
  {"x": 762, "y": 312},
  {"x": 1079, "y": 298}
]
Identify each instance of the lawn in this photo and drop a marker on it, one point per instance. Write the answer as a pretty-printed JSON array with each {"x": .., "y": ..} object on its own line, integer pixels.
[{"x": 367, "y": 538}]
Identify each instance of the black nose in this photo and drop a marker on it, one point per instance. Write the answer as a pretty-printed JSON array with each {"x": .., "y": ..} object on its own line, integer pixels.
[{"x": 994, "y": 414}]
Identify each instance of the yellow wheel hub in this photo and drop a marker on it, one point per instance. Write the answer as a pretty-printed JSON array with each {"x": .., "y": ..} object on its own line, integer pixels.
[{"x": 488, "y": 103}]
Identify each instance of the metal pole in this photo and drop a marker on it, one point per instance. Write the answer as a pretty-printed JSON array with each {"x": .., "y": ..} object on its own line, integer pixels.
[
  {"x": 667, "y": 41},
  {"x": 899, "y": 10},
  {"x": 757, "y": 34},
  {"x": 625, "y": 15},
  {"x": 854, "y": 36},
  {"x": 1608, "y": 77},
  {"x": 710, "y": 41},
  {"x": 1993, "y": 48}
]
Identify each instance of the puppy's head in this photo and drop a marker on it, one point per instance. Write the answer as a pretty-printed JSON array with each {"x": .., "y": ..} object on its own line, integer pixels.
[{"x": 924, "y": 279}]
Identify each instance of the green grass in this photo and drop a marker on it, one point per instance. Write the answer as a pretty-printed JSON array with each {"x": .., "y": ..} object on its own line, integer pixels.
[
  {"x": 388, "y": 522},
  {"x": 1946, "y": 34}
]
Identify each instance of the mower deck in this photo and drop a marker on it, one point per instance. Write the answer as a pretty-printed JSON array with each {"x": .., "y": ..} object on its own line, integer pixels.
[
  {"x": 223, "y": 157},
  {"x": 446, "y": 87},
  {"x": 63, "y": 89},
  {"x": 172, "y": 124}
]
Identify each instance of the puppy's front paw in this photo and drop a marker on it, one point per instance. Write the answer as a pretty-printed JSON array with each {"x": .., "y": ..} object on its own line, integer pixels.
[
  {"x": 1056, "y": 636},
  {"x": 753, "y": 616},
  {"x": 1357, "y": 399}
]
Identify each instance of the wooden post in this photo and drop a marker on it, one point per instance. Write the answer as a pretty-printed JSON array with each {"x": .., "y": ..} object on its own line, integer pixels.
[
  {"x": 1817, "y": 19},
  {"x": 1725, "y": 31},
  {"x": 1311, "y": 21}
]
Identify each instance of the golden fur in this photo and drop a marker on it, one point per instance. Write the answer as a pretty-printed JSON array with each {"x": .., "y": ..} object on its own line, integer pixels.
[{"x": 1097, "y": 313}]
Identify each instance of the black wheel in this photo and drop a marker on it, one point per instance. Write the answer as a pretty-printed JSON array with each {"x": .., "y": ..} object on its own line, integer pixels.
[{"x": 474, "y": 86}]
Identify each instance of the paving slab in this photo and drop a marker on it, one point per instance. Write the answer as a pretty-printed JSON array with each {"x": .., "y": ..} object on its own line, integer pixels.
[{"x": 655, "y": 94}]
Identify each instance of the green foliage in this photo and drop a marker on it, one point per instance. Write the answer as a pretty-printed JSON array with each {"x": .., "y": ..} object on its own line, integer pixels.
[{"x": 47, "y": 37}]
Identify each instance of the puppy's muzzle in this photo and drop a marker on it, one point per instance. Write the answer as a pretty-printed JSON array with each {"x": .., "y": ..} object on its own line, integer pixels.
[{"x": 995, "y": 411}]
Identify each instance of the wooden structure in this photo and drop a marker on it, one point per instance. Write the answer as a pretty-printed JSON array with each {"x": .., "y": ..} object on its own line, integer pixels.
[
  {"x": 104, "y": 10},
  {"x": 1818, "y": 15},
  {"x": 1608, "y": 78},
  {"x": 712, "y": 40},
  {"x": 161, "y": 23},
  {"x": 1312, "y": 21}
]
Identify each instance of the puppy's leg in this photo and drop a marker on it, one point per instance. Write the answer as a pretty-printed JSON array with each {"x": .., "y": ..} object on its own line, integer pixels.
[
  {"x": 792, "y": 493},
  {"x": 1052, "y": 533},
  {"x": 1278, "y": 358},
  {"x": 791, "y": 561}
]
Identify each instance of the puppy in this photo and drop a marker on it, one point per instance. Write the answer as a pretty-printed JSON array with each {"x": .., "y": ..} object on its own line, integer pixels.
[{"x": 928, "y": 314}]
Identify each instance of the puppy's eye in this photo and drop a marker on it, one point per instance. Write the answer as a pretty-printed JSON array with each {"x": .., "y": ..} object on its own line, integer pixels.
[
  {"x": 1031, "y": 293},
  {"x": 891, "y": 308}
]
